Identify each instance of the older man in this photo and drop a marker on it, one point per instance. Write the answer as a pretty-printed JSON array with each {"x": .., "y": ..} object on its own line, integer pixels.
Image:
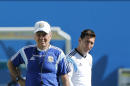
[{"x": 45, "y": 62}]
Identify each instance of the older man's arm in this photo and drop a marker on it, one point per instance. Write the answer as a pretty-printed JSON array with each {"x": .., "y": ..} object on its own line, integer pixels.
[{"x": 65, "y": 80}]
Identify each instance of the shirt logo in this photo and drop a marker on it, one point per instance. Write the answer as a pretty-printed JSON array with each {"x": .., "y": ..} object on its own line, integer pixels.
[
  {"x": 37, "y": 55},
  {"x": 50, "y": 59},
  {"x": 32, "y": 58}
]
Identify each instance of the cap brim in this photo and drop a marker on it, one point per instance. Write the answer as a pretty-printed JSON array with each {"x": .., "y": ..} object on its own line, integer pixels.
[{"x": 41, "y": 29}]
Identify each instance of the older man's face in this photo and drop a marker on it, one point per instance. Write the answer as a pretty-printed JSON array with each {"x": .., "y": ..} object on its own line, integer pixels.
[{"x": 42, "y": 39}]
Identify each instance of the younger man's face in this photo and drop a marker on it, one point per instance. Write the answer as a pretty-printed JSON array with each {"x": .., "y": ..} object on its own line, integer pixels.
[{"x": 87, "y": 43}]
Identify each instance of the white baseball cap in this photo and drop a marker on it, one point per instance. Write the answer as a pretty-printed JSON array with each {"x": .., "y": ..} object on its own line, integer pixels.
[{"x": 42, "y": 26}]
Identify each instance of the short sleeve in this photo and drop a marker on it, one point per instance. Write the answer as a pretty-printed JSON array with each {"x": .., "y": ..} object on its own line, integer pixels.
[
  {"x": 17, "y": 59},
  {"x": 63, "y": 67}
]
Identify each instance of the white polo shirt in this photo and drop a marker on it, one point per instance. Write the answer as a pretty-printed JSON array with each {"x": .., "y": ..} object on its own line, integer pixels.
[{"x": 80, "y": 66}]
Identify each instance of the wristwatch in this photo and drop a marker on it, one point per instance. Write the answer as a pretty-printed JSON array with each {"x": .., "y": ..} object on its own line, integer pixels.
[{"x": 18, "y": 78}]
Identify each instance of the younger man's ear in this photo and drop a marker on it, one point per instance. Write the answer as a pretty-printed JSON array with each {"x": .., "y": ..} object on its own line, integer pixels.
[{"x": 79, "y": 40}]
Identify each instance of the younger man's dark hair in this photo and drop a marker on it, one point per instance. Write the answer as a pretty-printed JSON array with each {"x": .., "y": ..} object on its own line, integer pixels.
[{"x": 87, "y": 32}]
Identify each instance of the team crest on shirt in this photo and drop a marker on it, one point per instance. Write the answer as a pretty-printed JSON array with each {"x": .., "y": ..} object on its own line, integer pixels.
[{"x": 50, "y": 59}]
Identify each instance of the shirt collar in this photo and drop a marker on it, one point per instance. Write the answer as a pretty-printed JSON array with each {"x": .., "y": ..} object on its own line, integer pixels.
[
  {"x": 45, "y": 49},
  {"x": 84, "y": 56}
]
